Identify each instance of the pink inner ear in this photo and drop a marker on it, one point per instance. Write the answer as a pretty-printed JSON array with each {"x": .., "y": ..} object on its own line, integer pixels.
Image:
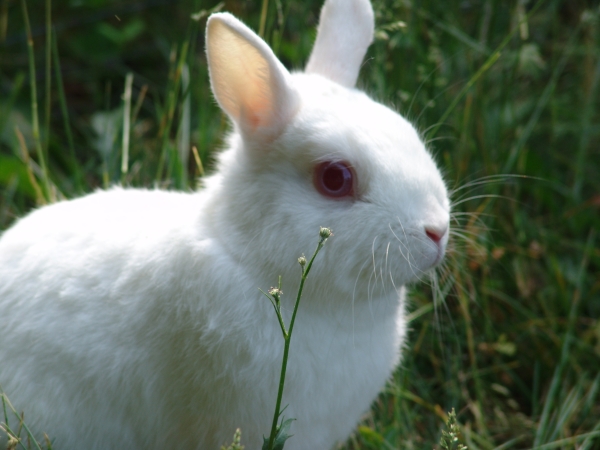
[
  {"x": 253, "y": 116},
  {"x": 248, "y": 81},
  {"x": 253, "y": 120}
]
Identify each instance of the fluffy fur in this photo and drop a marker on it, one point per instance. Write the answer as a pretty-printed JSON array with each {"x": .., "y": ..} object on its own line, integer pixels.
[{"x": 132, "y": 318}]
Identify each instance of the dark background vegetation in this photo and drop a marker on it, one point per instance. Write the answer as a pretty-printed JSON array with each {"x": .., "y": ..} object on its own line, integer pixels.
[{"x": 509, "y": 335}]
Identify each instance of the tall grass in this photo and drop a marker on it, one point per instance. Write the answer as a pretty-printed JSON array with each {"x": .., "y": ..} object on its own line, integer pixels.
[{"x": 507, "y": 332}]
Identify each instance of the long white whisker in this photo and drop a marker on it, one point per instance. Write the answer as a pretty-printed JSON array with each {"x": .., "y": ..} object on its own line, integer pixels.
[
  {"x": 387, "y": 253},
  {"x": 439, "y": 138},
  {"x": 491, "y": 179},
  {"x": 455, "y": 214},
  {"x": 354, "y": 297},
  {"x": 407, "y": 258},
  {"x": 475, "y": 197}
]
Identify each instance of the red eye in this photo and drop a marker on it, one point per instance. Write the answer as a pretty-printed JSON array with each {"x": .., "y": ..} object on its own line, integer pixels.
[{"x": 334, "y": 179}]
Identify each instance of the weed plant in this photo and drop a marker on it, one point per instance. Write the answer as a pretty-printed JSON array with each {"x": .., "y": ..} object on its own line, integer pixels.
[
  {"x": 280, "y": 433},
  {"x": 506, "y": 95}
]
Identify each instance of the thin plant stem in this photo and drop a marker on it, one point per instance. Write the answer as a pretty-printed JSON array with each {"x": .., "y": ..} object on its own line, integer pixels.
[
  {"x": 287, "y": 335},
  {"x": 126, "y": 126},
  {"x": 183, "y": 136},
  {"x": 139, "y": 102},
  {"x": 34, "y": 104},
  {"x": 62, "y": 99},
  {"x": 171, "y": 104},
  {"x": 39, "y": 195},
  {"x": 198, "y": 161},
  {"x": 106, "y": 156},
  {"x": 3, "y": 20},
  {"x": 263, "y": 18},
  {"x": 48, "y": 74}
]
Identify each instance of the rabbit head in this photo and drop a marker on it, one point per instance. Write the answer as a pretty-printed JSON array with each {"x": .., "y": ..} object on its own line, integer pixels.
[{"x": 308, "y": 149}]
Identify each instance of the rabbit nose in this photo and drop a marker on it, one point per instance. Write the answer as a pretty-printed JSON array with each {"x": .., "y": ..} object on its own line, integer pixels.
[{"x": 436, "y": 234}]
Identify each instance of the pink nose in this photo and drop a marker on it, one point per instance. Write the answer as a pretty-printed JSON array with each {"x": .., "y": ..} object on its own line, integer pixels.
[{"x": 435, "y": 234}]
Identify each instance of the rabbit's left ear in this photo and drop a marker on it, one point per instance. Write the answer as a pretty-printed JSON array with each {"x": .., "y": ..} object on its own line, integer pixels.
[
  {"x": 247, "y": 79},
  {"x": 345, "y": 32}
]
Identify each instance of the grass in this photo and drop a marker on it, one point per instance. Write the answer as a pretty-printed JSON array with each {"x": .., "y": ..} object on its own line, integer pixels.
[
  {"x": 508, "y": 332},
  {"x": 19, "y": 436}
]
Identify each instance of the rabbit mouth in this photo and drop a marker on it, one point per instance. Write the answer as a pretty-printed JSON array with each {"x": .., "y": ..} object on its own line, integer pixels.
[
  {"x": 423, "y": 258},
  {"x": 434, "y": 254},
  {"x": 437, "y": 248}
]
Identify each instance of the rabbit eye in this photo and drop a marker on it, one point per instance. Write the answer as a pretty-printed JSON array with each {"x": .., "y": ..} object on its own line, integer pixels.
[{"x": 334, "y": 179}]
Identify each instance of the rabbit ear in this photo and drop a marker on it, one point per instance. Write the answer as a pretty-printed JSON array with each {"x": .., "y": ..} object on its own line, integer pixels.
[
  {"x": 345, "y": 32},
  {"x": 248, "y": 81}
]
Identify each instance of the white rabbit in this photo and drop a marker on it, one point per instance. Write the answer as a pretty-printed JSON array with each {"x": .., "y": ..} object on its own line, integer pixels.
[{"x": 133, "y": 319}]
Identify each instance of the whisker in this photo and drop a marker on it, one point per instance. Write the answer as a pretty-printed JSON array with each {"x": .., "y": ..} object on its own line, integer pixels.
[
  {"x": 387, "y": 252},
  {"x": 439, "y": 138},
  {"x": 475, "y": 197},
  {"x": 430, "y": 127},
  {"x": 354, "y": 297},
  {"x": 469, "y": 214},
  {"x": 491, "y": 179},
  {"x": 393, "y": 283},
  {"x": 407, "y": 249},
  {"x": 373, "y": 255},
  {"x": 467, "y": 239}
]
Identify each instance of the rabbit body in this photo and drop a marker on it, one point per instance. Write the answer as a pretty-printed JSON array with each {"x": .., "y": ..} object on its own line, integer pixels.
[
  {"x": 146, "y": 333},
  {"x": 132, "y": 318}
]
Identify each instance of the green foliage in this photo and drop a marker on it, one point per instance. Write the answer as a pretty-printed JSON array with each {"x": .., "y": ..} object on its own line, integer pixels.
[
  {"x": 512, "y": 337},
  {"x": 282, "y": 434}
]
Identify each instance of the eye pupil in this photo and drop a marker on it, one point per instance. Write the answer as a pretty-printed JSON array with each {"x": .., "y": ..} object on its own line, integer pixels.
[{"x": 334, "y": 179}]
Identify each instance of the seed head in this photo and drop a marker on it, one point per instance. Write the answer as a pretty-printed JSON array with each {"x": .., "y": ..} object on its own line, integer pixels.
[
  {"x": 274, "y": 292},
  {"x": 325, "y": 233}
]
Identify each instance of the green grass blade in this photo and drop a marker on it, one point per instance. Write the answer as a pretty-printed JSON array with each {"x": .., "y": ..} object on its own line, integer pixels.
[
  {"x": 62, "y": 99},
  {"x": 34, "y": 106},
  {"x": 126, "y": 127}
]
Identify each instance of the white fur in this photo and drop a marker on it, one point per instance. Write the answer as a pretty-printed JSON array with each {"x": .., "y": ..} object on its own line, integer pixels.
[
  {"x": 132, "y": 318},
  {"x": 345, "y": 32}
]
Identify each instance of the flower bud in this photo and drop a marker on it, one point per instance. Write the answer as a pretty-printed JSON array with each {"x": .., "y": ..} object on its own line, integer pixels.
[
  {"x": 325, "y": 233},
  {"x": 274, "y": 292}
]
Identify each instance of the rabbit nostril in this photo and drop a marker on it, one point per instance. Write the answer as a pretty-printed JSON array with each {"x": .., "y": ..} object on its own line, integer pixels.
[{"x": 434, "y": 234}]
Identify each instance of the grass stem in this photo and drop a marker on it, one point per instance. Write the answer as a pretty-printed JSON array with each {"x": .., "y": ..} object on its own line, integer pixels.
[
  {"x": 263, "y": 18},
  {"x": 126, "y": 127},
  {"x": 48, "y": 104},
  {"x": 34, "y": 105},
  {"x": 287, "y": 335},
  {"x": 62, "y": 99}
]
